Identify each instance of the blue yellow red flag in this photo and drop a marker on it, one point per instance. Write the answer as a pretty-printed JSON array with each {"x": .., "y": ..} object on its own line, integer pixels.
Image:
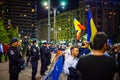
[
  {"x": 78, "y": 35},
  {"x": 78, "y": 25}
]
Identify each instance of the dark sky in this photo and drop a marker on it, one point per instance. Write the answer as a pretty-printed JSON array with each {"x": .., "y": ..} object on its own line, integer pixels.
[{"x": 42, "y": 12}]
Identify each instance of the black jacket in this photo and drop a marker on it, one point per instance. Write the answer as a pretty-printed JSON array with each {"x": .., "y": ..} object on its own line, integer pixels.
[
  {"x": 34, "y": 53},
  {"x": 16, "y": 61},
  {"x": 74, "y": 74}
]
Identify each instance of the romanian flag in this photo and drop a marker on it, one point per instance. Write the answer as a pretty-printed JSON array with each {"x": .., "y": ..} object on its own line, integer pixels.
[
  {"x": 78, "y": 35},
  {"x": 91, "y": 31},
  {"x": 78, "y": 26}
]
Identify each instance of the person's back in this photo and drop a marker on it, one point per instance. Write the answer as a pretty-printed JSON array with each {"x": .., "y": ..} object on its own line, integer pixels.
[{"x": 97, "y": 66}]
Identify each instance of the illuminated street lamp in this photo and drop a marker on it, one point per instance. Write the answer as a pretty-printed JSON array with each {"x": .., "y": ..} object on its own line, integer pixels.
[
  {"x": 63, "y": 3},
  {"x": 47, "y": 5}
]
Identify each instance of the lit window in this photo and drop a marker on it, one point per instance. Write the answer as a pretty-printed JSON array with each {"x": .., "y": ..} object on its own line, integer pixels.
[
  {"x": 28, "y": 3},
  {"x": 114, "y": 13},
  {"x": 25, "y": 15},
  {"x": 105, "y": 3},
  {"x": 9, "y": 20},
  {"x": 32, "y": 25},
  {"x": 110, "y": 13},
  {"x": 33, "y": 10}
]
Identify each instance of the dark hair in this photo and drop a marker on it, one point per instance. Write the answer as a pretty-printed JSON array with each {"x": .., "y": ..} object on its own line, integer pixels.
[
  {"x": 99, "y": 40},
  {"x": 73, "y": 48},
  {"x": 34, "y": 41}
]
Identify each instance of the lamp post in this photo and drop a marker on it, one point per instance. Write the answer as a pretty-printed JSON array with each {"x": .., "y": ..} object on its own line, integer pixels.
[
  {"x": 55, "y": 10},
  {"x": 48, "y": 5},
  {"x": 49, "y": 20}
]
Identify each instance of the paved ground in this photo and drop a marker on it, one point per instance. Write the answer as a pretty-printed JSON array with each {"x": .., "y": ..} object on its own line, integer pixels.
[{"x": 24, "y": 75}]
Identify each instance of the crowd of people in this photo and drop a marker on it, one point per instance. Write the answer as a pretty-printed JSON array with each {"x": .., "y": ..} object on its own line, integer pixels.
[
  {"x": 100, "y": 62},
  {"x": 96, "y": 60}
]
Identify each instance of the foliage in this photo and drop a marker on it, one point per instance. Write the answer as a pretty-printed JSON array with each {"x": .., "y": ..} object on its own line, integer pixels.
[
  {"x": 3, "y": 33},
  {"x": 6, "y": 36},
  {"x": 13, "y": 32}
]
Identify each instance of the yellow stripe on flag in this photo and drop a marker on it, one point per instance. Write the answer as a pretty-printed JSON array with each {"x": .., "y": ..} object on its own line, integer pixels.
[{"x": 93, "y": 29}]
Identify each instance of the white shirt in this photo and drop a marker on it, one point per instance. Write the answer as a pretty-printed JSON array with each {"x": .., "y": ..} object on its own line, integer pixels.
[
  {"x": 69, "y": 62},
  {"x": 67, "y": 53}
]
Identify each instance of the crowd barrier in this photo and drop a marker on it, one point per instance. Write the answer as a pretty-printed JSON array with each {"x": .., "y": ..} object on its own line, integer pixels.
[{"x": 56, "y": 70}]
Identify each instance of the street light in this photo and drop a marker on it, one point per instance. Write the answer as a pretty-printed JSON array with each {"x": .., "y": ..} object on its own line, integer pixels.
[
  {"x": 49, "y": 20},
  {"x": 55, "y": 11},
  {"x": 47, "y": 5},
  {"x": 63, "y": 3}
]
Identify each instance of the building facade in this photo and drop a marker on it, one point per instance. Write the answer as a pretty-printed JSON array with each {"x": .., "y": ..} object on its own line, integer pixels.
[
  {"x": 21, "y": 14},
  {"x": 106, "y": 16}
]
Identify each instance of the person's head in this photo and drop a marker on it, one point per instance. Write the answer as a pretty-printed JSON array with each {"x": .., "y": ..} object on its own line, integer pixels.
[
  {"x": 49, "y": 44},
  {"x": 29, "y": 45},
  {"x": 5, "y": 43},
  {"x": 19, "y": 43},
  {"x": 100, "y": 42},
  {"x": 14, "y": 42},
  {"x": 34, "y": 42},
  {"x": 116, "y": 48},
  {"x": 74, "y": 51},
  {"x": 45, "y": 44}
]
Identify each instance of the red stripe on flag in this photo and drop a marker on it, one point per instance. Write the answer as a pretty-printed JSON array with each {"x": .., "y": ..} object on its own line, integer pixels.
[{"x": 81, "y": 27}]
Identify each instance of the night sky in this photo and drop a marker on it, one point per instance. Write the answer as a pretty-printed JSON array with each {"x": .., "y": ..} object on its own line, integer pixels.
[{"x": 70, "y": 5}]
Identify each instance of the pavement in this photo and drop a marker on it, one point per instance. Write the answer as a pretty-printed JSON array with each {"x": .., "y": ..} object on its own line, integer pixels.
[{"x": 24, "y": 75}]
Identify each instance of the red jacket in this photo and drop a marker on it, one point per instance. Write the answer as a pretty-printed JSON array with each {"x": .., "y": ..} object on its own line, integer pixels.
[{"x": 5, "y": 48}]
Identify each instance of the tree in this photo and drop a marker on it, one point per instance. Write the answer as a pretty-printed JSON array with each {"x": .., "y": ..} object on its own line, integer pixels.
[
  {"x": 3, "y": 33},
  {"x": 13, "y": 33}
]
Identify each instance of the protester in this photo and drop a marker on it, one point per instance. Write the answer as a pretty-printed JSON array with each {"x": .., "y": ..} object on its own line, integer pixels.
[
  {"x": 5, "y": 47},
  {"x": 97, "y": 66},
  {"x": 67, "y": 53},
  {"x": 69, "y": 65},
  {"x": 114, "y": 51},
  {"x": 16, "y": 61},
  {"x": 84, "y": 50},
  {"x": 118, "y": 59},
  {"x": 34, "y": 58},
  {"x": 1, "y": 51}
]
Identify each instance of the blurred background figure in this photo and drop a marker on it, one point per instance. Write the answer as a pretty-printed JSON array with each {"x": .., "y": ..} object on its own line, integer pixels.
[
  {"x": 1, "y": 51},
  {"x": 28, "y": 55},
  {"x": 5, "y": 47},
  {"x": 114, "y": 51}
]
